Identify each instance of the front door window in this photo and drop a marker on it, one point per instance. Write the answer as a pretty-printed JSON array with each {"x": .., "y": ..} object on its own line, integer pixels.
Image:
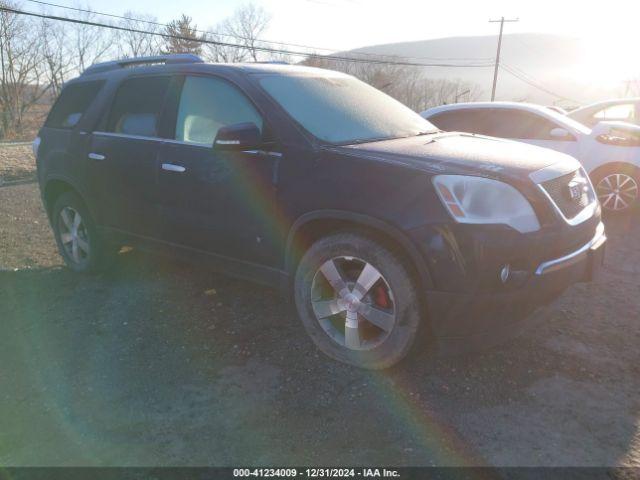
[{"x": 206, "y": 104}]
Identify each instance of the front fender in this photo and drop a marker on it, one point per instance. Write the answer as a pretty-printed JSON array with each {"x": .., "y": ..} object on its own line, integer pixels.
[{"x": 357, "y": 219}]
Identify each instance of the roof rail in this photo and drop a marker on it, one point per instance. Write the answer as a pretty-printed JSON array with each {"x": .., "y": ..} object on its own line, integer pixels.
[{"x": 135, "y": 61}]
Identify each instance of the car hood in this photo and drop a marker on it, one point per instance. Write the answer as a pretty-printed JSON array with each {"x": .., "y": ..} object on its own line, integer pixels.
[{"x": 460, "y": 153}]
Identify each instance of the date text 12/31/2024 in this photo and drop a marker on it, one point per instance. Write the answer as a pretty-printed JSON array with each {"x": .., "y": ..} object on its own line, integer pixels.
[{"x": 316, "y": 473}]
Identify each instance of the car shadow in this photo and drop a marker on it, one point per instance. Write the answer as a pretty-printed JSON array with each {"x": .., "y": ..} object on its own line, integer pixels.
[{"x": 159, "y": 363}]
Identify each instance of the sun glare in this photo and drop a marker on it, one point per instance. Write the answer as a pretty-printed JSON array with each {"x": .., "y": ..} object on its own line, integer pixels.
[{"x": 608, "y": 60}]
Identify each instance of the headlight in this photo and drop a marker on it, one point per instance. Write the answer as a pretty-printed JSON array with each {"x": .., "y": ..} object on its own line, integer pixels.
[{"x": 482, "y": 200}]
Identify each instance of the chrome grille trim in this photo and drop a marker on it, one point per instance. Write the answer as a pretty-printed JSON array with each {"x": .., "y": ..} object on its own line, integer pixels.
[
  {"x": 570, "y": 204},
  {"x": 561, "y": 169}
]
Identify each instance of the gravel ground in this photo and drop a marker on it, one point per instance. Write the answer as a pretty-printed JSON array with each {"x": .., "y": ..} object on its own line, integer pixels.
[
  {"x": 16, "y": 162},
  {"x": 159, "y": 363}
]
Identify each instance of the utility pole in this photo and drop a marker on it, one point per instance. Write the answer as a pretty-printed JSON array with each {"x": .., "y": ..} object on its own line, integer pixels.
[{"x": 495, "y": 72}]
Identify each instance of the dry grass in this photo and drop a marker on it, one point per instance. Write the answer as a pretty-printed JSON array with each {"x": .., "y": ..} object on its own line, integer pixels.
[
  {"x": 32, "y": 122},
  {"x": 16, "y": 163}
]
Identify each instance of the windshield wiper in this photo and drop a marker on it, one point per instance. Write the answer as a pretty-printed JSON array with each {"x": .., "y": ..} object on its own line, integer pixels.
[
  {"x": 382, "y": 139},
  {"x": 366, "y": 140}
]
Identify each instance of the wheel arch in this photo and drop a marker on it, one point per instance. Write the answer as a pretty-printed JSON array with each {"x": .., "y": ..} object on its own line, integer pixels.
[
  {"x": 54, "y": 187},
  {"x": 314, "y": 225},
  {"x": 612, "y": 165}
]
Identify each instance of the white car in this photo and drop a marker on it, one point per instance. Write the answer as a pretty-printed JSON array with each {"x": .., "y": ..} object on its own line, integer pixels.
[
  {"x": 623, "y": 110},
  {"x": 610, "y": 152}
]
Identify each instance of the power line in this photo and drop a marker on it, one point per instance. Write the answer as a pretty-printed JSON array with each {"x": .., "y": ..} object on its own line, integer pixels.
[
  {"x": 523, "y": 73},
  {"x": 285, "y": 44},
  {"x": 495, "y": 70},
  {"x": 235, "y": 45},
  {"x": 151, "y": 22},
  {"x": 532, "y": 81},
  {"x": 528, "y": 79},
  {"x": 524, "y": 77},
  {"x": 532, "y": 49}
]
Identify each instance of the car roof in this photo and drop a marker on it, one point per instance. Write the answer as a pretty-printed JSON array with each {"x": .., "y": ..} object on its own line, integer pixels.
[
  {"x": 605, "y": 103},
  {"x": 567, "y": 122},
  {"x": 228, "y": 68},
  {"x": 530, "y": 107}
]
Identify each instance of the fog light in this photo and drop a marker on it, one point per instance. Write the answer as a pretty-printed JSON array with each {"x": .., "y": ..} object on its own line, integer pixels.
[{"x": 505, "y": 272}]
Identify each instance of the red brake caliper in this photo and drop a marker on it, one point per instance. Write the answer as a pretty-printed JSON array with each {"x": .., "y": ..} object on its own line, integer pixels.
[{"x": 381, "y": 297}]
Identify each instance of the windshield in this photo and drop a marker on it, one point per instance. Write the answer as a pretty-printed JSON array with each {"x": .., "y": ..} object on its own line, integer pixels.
[{"x": 340, "y": 109}]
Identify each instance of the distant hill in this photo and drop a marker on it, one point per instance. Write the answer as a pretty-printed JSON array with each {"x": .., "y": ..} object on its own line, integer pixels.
[{"x": 550, "y": 62}]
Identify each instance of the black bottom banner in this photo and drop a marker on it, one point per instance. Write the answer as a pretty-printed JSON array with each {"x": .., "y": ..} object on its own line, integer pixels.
[{"x": 304, "y": 473}]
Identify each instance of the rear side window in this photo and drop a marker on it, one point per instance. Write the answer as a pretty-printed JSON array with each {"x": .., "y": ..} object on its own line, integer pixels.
[
  {"x": 452, "y": 121},
  {"x": 517, "y": 124},
  {"x": 137, "y": 106},
  {"x": 470, "y": 121},
  {"x": 72, "y": 103},
  {"x": 623, "y": 112},
  {"x": 496, "y": 122}
]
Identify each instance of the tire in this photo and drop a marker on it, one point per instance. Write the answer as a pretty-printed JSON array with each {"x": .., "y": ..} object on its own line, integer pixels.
[
  {"x": 80, "y": 245},
  {"x": 618, "y": 187},
  {"x": 391, "y": 301}
]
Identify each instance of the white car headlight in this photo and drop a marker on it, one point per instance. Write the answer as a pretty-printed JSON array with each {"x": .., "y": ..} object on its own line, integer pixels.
[{"x": 482, "y": 200}]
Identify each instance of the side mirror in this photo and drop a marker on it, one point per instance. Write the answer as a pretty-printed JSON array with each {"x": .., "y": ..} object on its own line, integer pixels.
[
  {"x": 240, "y": 136},
  {"x": 559, "y": 133}
]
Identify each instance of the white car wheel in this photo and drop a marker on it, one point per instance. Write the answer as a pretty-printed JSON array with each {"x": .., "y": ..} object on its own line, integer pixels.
[{"x": 617, "y": 191}]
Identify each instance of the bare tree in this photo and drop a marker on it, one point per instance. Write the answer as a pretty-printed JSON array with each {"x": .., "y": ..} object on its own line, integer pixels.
[
  {"x": 442, "y": 91},
  {"x": 182, "y": 37},
  {"x": 220, "y": 53},
  {"x": 20, "y": 70},
  {"x": 631, "y": 88},
  {"x": 55, "y": 55},
  {"x": 135, "y": 44},
  {"x": 248, "y": 24},
  {"x": 37, "y": 57},
  {"x": 408, "y": 84},
  {"x": 245, "y": 28},
  {"x": 68, "y": 49},
  {"x": 90, "y": 44}
]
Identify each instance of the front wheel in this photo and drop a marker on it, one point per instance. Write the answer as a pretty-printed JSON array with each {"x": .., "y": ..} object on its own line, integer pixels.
[
  {"x": 357, "y": 301},
  {"x": 617, "y": 187}
]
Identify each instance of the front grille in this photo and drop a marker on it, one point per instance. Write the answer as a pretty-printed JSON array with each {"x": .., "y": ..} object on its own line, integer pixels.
[{"x": 560, "y": 191}]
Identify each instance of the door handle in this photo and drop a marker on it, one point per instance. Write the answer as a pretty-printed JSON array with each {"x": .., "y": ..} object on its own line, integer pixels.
[
  {"x": 96, "y": 156},
  {"x": 170, "y": 167}
]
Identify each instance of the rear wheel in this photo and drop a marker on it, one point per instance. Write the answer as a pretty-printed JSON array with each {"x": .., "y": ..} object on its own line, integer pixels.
[
  {"x": 357, "y": 301},
  {"x": 617, "y": 187},
  {"x": 79, "y": 243}
]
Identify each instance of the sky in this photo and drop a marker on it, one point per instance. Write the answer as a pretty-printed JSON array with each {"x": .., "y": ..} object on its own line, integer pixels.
[{"x": 346, "y": 24}]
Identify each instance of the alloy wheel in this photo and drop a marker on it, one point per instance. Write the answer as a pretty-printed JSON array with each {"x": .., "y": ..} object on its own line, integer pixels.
[
  {"x": 353, "y": 303},
  {"x": 74, "y": 235},
  {"x": 617, "y": 191}
]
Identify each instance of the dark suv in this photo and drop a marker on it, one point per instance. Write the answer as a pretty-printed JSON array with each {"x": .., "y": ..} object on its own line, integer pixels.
[{"x": 384, "y": 229}]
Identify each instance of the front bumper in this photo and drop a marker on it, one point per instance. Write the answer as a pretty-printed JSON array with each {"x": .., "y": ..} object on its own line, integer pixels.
[{"x": 470, "y": 321}]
